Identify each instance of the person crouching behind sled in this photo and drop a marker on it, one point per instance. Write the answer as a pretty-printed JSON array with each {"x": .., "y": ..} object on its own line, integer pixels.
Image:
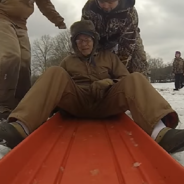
[
  {"x": 84, "y": 85},
  {"x": 178, "y": 70}
]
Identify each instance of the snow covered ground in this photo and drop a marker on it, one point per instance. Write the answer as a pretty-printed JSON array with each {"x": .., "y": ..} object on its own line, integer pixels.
[{"x": 175, "y": 98}]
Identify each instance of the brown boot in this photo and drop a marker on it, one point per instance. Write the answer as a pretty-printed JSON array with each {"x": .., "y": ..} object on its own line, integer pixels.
[
  {"x": 11, "y": 134},
  {"x": 4, "y": 112},
  {"x": 172, "y": 140}
]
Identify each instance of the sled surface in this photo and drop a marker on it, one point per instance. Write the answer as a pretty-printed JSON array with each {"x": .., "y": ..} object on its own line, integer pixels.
[{"x": 89, "y": 152}]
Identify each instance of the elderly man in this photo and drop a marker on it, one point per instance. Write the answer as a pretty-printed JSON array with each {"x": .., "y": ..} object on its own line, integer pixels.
[
  {"x": 116, "y": 21},
  {"x": 15, "y": 56},
  {"x": 94, "y": 86}
]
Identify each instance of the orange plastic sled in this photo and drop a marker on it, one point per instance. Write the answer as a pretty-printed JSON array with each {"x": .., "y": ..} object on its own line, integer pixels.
[{"x": 89, "y": 152}]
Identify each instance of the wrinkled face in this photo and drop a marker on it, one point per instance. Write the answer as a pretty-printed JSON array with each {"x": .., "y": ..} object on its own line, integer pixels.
[
  {"x": 108, "y": 6},
  {"x": 84, "y": 44},
  {"x": 177, "y": 55}
]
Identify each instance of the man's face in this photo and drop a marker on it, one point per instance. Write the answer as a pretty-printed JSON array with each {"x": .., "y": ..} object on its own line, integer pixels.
[
  {"x": 108, "y": 6},
  {"x": 177, "y": 55},
  {"x": 84, "y": 44}
]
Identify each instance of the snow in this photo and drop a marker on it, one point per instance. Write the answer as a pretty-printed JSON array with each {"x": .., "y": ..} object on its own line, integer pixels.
[
  {"x": 3, "y": 151},
  {"x": 175, "y": 98}
]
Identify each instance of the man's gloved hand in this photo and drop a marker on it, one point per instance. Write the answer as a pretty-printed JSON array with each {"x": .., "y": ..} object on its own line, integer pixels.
[
  {"x": 61, "y": 25},
  {"x": 99, "y": 88}
]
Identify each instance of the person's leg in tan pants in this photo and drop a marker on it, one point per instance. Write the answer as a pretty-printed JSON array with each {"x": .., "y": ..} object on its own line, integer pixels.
[
  {"x": 54, "y": 88},
  {"x": 15, "y": 72},
  {"x": 136, "y": 94},
  {"x": 148, "y": 108},
  {"x": 24, "y": 79}
]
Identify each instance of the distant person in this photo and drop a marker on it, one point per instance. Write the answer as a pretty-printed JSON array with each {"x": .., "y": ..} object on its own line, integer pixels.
[
  {"x": 15, "y": 51},
  {"x": 178, "y": 70}
]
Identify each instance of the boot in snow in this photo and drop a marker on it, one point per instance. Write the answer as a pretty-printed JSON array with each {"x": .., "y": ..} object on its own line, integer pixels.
[{"x": 172, "y": 140}]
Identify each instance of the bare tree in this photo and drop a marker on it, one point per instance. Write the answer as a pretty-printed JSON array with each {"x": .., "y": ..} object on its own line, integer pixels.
[
  {"x": 42, "y": 50},
  {"x": 160, "y": 72},
  {"x": 62, "y": 47},
  {"x": 155, "y": 63}
]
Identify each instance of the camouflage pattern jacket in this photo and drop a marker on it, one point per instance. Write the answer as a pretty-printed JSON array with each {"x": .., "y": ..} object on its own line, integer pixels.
[
  {"x": 178, "y": 66},
  {"x": 119, "y": 29}
]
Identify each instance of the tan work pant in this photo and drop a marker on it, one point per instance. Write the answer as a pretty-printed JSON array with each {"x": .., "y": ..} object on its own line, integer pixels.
[
  {"x": 15, "y": 60},
  {"x": 56, "y": 88}
]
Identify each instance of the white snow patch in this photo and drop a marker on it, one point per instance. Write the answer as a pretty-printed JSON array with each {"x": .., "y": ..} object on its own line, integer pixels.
[{"x": 3, "y": 151}]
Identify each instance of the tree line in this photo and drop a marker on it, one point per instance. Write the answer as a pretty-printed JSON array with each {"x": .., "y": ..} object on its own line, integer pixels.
[
  {"x": 49, "y": 51},
  {"x": 160, "y": 71}
]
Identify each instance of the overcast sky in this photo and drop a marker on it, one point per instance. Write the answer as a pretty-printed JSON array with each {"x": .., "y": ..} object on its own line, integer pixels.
[{"x": 161, "y": 23}]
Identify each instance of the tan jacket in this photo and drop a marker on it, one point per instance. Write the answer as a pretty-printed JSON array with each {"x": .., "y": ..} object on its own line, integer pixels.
[
  {"x": 108, "y": 70},
  {"x": 18, "y": 11}
]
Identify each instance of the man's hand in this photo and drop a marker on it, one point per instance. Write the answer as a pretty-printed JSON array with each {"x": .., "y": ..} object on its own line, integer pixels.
[
  {"x": 62, "y": 25},
  {"x": 99, "y": 88}
]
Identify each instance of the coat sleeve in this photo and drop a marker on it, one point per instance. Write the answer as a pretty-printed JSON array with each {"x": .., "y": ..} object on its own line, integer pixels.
[
  {"x": 131, "y": 50},
  {"x": 127, "y": 39},
  {"x": 48, "y": 10},
  {"x": 86, "y": 11}
]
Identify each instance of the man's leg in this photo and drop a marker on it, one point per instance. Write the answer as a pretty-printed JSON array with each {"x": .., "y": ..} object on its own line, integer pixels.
[
  {"x": 10, "y": 58},
  {"x": 148, "y": 109},
  {"x": 176, "y": 82},
  {"x": 52, "y": 89},
  {"x": 24, "y": 81},
  {"x": 136, "y": 94},
  {"x": 180, "y": 80}
]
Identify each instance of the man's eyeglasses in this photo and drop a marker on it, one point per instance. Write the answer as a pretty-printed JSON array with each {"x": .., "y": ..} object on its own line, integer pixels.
[
  {"x": 80, "y": 41},
  {"x": 105, "y": 1}
]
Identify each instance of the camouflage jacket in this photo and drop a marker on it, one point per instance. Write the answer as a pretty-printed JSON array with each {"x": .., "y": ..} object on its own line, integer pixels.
[
  {"x": 119, "y": 29},
  {"x": 178, "y": 65}
]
